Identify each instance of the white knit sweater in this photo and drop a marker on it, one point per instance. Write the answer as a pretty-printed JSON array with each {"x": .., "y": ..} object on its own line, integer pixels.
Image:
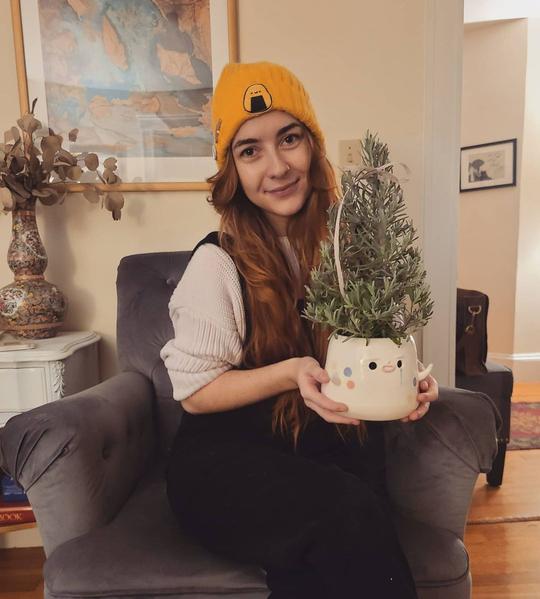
[{"x": 207, "y": 312}]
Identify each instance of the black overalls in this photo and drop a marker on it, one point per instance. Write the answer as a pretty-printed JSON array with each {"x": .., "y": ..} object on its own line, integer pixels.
[{"x": 317, "y": 521}]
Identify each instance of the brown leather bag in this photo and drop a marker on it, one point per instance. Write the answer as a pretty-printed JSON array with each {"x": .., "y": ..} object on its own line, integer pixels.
[{"x": 471, "y": 332}]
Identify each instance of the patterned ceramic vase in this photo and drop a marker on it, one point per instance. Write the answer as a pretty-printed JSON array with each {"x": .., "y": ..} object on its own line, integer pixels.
[
  {"x": 32, "y": 307},
  {"x": 377, "y": 381}
]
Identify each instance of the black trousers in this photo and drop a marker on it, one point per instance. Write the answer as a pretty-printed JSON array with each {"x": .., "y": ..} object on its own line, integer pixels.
[{"x": 316, "y": 520}]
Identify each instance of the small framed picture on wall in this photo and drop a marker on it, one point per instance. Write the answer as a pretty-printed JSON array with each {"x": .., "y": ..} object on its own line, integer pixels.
[{"x": 488, "y": 165}]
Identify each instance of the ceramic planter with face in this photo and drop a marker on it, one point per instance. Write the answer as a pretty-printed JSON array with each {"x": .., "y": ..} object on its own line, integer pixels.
[{"x": 378, "y": 381}]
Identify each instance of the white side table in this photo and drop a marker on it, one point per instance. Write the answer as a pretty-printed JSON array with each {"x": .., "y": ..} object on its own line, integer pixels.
[{"x": 56, "y": 367}]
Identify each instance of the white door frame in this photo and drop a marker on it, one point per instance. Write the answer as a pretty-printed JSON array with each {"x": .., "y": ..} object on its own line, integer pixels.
[{"x": 442, "y": 133}]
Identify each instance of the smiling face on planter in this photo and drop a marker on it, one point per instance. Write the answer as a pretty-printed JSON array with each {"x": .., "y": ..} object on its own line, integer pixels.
[
  {"x": 272, "y": 155},
  {"x": 378, "y": 381}
]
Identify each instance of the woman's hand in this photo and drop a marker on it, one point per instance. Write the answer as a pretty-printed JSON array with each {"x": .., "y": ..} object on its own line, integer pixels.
[
  {"x": 429, "y": 391},
  {"x": 309, "y": 376}
]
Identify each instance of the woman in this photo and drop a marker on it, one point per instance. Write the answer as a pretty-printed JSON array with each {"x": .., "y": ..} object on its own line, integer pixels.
[{"x": 266, "y": 469}]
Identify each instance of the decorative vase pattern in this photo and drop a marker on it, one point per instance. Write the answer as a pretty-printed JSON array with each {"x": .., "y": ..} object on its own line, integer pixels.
[
  {"x": 32, "y": 307},
  {"x": 377, "y": 381}
]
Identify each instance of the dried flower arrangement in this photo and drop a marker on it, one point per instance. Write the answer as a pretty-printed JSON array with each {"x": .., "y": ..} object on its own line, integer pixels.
[
  {"x": 41, "y": 172},
  {"x": 34, "y": 166}
]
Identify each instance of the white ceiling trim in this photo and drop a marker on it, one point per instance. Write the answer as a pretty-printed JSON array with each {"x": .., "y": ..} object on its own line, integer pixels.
[{"x": 477, "y": 11}]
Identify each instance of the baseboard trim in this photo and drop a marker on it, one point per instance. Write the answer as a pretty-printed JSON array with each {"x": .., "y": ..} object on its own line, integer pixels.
[
  {"x": 514, "y": 357},
  {"x": 525, "y": 366}
]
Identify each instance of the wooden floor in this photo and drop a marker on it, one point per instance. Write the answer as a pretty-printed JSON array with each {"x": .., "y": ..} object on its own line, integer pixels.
[
  {"x": 517, "y": 499},
  {"x": 20, "y": 573},
  {"x": 526, "y": 392},
  {"x": 504, "y": 560},
  {"x": 502, "y": 535}
]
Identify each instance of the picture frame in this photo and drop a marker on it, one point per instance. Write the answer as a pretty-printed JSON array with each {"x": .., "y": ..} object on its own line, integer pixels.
[
  {"x": 488, "y": 166},
  {"x": 137, "y": 84}
]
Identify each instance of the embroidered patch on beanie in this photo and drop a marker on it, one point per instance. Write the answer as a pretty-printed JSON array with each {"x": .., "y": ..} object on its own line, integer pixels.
[{"x": 257, "y": 99}]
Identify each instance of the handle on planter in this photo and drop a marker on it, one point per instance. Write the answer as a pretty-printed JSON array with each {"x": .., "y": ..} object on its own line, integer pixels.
[
  {"x": 378, "y": 171},
  {"x": 336, "y": 250},
  {"x": 425, "y": 373}
]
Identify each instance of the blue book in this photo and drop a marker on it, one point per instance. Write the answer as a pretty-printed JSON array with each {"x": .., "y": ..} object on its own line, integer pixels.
[{"x": 11, "y": 491}]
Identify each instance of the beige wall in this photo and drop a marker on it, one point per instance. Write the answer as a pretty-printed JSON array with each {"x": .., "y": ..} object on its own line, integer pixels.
[
  {"x": 494, "y": 64},
  {"x": 499, "y": 251},
  {"x": 363, "y": 64}
]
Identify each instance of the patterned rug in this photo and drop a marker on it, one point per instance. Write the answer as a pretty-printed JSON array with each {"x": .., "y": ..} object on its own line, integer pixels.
[{"x": 525, "y": 426}]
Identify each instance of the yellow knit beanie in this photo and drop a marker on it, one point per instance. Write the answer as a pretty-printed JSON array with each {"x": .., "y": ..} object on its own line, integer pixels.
[{"x": 247, "y": 90}]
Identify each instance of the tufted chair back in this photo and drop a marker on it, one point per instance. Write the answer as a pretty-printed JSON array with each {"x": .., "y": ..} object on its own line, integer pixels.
[{"x": 144, "y": 285}]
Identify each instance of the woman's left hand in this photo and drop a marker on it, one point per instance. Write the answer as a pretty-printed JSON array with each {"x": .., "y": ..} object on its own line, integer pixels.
[{"x": 429, "y": 391}]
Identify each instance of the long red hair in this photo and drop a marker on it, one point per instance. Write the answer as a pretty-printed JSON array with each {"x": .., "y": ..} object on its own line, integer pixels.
[{"x": 270, "y": 290}]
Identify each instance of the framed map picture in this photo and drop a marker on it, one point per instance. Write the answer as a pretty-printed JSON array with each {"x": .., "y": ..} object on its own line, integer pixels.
[
  {"x": 488, "y": 165},
  {"x": 135, "y": 77}
]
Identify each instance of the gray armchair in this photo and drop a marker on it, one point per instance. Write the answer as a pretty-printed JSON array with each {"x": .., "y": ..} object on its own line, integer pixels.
[{"x": 92, "y": 465}]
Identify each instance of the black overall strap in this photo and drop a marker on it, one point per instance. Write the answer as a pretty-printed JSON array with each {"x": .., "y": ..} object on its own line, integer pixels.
[{"x": 213, "y": 237}]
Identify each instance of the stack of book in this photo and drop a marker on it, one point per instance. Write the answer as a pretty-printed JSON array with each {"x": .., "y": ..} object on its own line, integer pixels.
[{"x": 14, "y": 505}]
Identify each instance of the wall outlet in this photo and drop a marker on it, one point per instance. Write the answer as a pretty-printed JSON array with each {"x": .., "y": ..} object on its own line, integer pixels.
[{"x": 350, "y": 153}]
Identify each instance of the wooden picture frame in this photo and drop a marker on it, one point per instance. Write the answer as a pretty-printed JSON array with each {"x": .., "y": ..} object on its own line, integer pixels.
[
  {"x": 165, "y": 154},
  {"x": 488, "y": 166}
]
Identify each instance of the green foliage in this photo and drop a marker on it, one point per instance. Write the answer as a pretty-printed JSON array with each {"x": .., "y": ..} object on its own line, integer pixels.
[{"x": 385, "y": 293}]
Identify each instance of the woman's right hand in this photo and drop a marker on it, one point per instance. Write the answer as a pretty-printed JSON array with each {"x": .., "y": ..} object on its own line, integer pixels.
[{"x": 309, "y": 376}]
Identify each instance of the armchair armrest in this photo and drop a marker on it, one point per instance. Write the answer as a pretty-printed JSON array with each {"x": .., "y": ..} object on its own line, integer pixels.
[
  {"x": 79, "y": 458},
  {"x": 432, "y": 464}
]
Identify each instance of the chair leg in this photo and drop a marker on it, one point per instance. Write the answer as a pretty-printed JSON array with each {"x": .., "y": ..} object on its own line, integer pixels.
[{"x": 495, "y": 476}]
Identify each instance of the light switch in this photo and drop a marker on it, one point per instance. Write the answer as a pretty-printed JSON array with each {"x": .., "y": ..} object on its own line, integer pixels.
[{"x": 350, "y": 153}]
